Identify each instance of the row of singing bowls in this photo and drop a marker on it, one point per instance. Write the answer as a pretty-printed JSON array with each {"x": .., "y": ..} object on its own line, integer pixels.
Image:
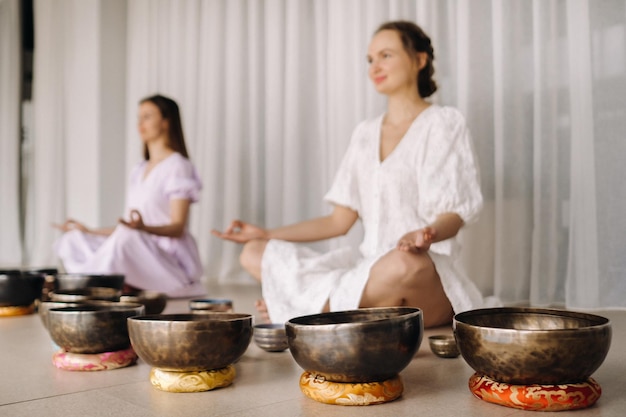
[
  {"x": 92, "y": 328},
  {"x": 532, "y": 345},
  {"x": 190, "y": 342},
  {"x": 18, "y": 288},
  {"x": 365, "y": 345}
]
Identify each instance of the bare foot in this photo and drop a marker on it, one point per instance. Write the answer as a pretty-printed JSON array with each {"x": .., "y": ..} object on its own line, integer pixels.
[{"x": 261, "y": 307}]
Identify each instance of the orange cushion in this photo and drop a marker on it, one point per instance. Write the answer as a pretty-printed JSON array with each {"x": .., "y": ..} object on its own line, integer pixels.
[
  {"x": 317, "y": 387},
  {"x": 199, "y": 381},
  {"x": 94, "y": 362},
  {"x": 536, "y": 397},
  {"x": 16, "y": 310}
]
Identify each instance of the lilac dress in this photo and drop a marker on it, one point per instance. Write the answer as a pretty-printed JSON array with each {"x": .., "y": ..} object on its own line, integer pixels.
[
  {"x": 431, "y": 171},
  {"x": 164, "y": 264}
]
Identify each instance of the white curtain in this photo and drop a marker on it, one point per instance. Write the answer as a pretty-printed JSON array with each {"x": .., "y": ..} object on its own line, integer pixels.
[
  {"x": 270, "y": 91},
  {"x": 10, "y": 102}
]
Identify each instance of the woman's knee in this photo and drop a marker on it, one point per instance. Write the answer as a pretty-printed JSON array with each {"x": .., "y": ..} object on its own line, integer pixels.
[{"x": 406, "y": 267}]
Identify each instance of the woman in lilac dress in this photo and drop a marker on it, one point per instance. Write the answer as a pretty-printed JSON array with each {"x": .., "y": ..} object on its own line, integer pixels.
[
  {"x": 410, "y": 176},
  {"x": 152, "y": 246}
]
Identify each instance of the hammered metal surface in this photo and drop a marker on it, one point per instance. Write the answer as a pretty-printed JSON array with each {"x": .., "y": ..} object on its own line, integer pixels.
[
  {"x": 366, "y": 345},
  {"x": 91, "y": 328},
  {"x": 190, "y": 342},
  {"x": 531, "y": 345}
]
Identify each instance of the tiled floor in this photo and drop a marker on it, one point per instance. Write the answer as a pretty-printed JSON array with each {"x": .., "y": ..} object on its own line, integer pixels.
[{"x": 266, "y": 383}]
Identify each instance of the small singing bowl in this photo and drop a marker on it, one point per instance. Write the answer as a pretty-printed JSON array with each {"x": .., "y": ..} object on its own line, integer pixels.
[
  {"x": 92, "y": 328},
  {"x": 78, "y": 281},
  {"x": 271, "y": 337},
  {"x": 85, "y": 294},
  {"x": 190, "y": 342},
  {"x": 211, "y": 305},
  {"x": 154, "y": 301},
  {"x": 365, "y": 345},
  {"x": 45, "y": 306},
  {"x": 443, "y": 346},
  {"x": 532, "y": 345}
]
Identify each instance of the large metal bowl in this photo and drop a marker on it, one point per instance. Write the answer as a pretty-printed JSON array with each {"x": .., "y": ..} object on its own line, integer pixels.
[
  {"x": 92, "y": 328},
  {"x": 19, "y": 289},
  {"x": 365, "y": 345},
  {"x": 190, "y": 342},
  {"x": 532, "y": 345}
]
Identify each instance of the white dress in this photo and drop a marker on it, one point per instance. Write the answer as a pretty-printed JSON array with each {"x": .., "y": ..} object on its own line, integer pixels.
[
  {"x": 164, "y": 264},
  {"x": 431, "y": 171}
]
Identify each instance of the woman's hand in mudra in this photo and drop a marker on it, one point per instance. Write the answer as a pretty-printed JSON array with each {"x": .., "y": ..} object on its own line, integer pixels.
[
  {"x": 417, "y": 241},
  {"x": 241, "y": 232},
  {"x": 71, "y": 224},
  {"x": 135, "y": 222}
]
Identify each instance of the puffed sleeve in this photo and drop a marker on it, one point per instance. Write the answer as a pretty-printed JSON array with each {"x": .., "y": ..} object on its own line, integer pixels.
[
  {"x": 345, "y": 188},
  {"x": 449, "y": 175},
  {"x": 183, "y": 182}
]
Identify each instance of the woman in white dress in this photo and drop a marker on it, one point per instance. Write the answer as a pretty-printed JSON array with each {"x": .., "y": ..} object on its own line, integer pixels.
[
  {"x": 410, "y": 175},
  {"x": 152, "y": 247}
]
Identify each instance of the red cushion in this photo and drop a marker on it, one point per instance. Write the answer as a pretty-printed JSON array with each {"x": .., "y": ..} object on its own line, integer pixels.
[{"x": 535, "y": 396}]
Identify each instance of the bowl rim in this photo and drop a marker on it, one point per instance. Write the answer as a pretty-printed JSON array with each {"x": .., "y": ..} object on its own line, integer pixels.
[
  {"x": 206, "y": 303},
  {"x": 270, "y": 326},
  {"x": 299, "y": 322},
  {"x": 191, "y": 317},
  {"x": 87, "y": 275},
  {"x": 144, "y": 294},
  {"x": 599, "y": 322},
  {"x": 442, "y": 338},
  {"x": 93, "y": 308}
]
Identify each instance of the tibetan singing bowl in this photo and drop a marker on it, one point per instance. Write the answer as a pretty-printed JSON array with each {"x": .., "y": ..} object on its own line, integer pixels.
[
  {"x": 45, "y": 306},
  {"x": 365, "y": 345},
  {"x": 19, "y": 289},
  {"x": 89, "y": 328},
  {"x": 190, "y": 342},
  {"x": 154, "y": 301},
  {"x": 85, "y": 294},
  {"x": 79, "y": 281},
  {"x": 270, "y": 337},
  {"x": 531, "y": 345}
]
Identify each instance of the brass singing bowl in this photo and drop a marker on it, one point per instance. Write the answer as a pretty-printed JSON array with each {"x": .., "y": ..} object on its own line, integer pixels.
[
  {"x": 532, "y": 345},
  {"x": 77, "y": 281},
  {"x": 45, "y": 306},
  {"x": 19, "y": 289},
  {"x": 190, "y": 342},
  {"x": 89, "y": 328},
  {"x": 154, "y": 301},
  {"x": 365, "y": 345},
  {"x": 270, "y": 337},
  {"x": 85, "y": 294}
]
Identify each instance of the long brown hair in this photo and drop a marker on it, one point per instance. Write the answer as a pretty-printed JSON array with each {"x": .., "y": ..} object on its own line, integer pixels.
[
  {"x": 414, "y": 40},
  {"x": 170, "y": 112}
]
